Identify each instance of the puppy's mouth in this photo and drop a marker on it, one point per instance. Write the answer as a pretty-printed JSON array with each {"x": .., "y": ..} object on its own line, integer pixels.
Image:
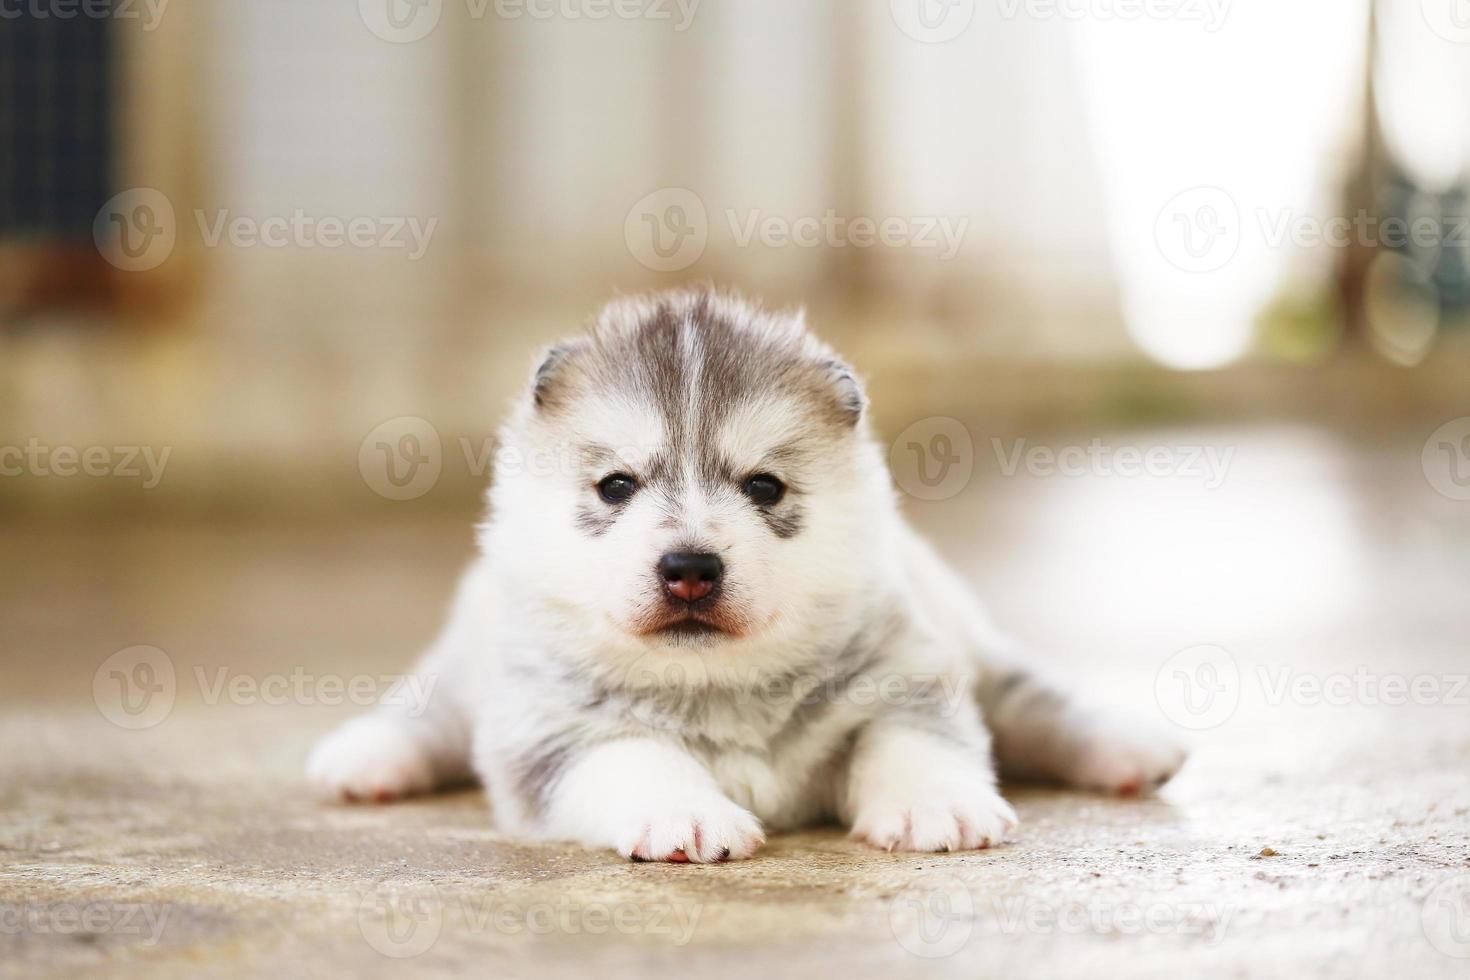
[{"x": 690, "y": 625}]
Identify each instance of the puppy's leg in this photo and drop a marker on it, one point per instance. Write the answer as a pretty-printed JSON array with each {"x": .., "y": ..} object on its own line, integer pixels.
[
  {"x": 923, "y": 788},
  {"x": 389, "y": 753},
  {"x": 418, "y": 738},
  {"x": 649, "y": 801},
  {"x": 1043, "y": 733}
]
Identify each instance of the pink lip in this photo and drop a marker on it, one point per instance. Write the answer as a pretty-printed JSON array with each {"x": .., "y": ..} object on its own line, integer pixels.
[
  {"x": 707, "y": 624},
  {"x": 713, "y": 623}
]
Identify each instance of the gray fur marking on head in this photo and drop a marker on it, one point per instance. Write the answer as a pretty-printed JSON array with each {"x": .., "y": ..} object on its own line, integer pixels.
[{"x": 696, "y": 356}]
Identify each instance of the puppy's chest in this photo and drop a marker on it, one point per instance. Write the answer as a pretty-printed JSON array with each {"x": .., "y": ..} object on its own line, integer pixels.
[{"x": 782, "y": 762}]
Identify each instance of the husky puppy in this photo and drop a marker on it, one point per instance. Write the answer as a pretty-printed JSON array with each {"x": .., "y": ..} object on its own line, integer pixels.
[{"x": 698, "y": 615}]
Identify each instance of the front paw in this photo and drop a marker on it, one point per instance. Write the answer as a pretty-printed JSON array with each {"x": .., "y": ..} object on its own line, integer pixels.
[
  {"x": 703, "y": 830},
  {"x": 955, "y": 818},
  {"x": 1125, "y": 759},
  {"x": 371, "y": 759}
]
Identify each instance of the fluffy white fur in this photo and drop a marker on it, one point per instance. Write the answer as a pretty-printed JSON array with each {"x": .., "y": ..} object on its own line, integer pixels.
[{"x": 852, "y": 668}]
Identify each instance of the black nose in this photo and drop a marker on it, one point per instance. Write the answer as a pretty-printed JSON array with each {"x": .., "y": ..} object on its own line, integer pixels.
[{"x": 690, "y": 576}]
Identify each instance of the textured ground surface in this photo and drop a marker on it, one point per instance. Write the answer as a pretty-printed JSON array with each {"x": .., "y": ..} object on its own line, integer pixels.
[{"x": 1321, "y": 828}]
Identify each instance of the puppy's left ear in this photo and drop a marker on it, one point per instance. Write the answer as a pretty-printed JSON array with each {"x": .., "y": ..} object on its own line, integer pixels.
[
  {"x": 851, "y": 400},
  {"x": 837, "y": 376},
  {"x": 551, "y": 367}
]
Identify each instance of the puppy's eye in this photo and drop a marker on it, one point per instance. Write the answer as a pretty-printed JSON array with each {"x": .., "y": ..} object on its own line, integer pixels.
[
  {"x": 764, "y": 489},
  {"x": 616, "y": 488}
]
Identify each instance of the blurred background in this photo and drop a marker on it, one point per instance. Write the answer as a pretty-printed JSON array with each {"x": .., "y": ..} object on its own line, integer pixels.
[
  {"x": 251, "y": 233},
  {"x": 1164, "y": 309},
  {"x": 1130, "y": 283}
]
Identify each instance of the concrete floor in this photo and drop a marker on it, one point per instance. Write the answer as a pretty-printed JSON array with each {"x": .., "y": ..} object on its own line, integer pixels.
[{"x": 1315, "y": 831}]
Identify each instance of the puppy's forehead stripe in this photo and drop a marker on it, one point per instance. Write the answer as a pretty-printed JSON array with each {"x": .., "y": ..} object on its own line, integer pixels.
[
  {"x": 693, "y": 392},
  {"x": 697, "y": 367},
  {"x": 690, "y": 357}
]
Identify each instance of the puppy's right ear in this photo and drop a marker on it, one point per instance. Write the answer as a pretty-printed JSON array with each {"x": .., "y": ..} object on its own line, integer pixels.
[
  {"x": 851, "y": 401},
  {"x": 552, "y": 367}
]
